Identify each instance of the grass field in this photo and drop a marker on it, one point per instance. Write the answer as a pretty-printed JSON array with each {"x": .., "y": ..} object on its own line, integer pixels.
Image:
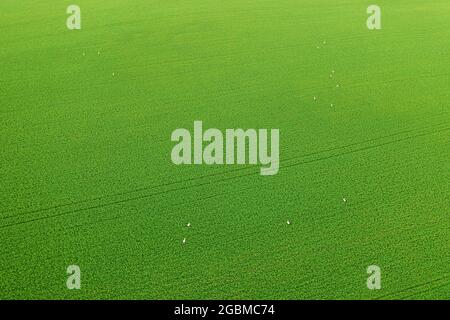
[{"x": 86, "y": 176}]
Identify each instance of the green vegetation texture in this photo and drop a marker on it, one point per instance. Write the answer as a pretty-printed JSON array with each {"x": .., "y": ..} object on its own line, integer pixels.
[{"x": 87, "y": 179}]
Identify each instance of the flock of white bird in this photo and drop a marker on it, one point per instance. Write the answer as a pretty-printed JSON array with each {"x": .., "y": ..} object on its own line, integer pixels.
[
  {"x": 331, "y": 76},
  {"x": 184, "y": 239},
  {"x": 288, "y": 223},
  {"x": 98, "y": 53},
  {"x": 315, "y": 99}
]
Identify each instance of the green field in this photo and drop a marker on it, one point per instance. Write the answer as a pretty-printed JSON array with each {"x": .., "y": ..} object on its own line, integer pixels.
[{"x": 87, "y": 179}]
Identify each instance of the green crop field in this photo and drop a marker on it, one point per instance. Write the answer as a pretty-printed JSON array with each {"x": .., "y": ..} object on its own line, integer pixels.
[{"x": 86, "y": 176}]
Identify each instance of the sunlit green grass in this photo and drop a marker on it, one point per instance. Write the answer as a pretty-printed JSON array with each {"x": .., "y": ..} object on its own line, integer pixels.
[{"x": 86, "y": 175}]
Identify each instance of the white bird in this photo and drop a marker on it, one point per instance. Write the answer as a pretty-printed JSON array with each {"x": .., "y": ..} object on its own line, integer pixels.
[
  {"x": 288, "y": 222},
  {"x": 332, "y": 105},
  {"x": 113, "y": 74},
  {"x": 315, "y": 98},
  {"x": 343, "y": 199},
  {"x": 184, "y": 240},
  {"x": 188, "y": 225}
]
